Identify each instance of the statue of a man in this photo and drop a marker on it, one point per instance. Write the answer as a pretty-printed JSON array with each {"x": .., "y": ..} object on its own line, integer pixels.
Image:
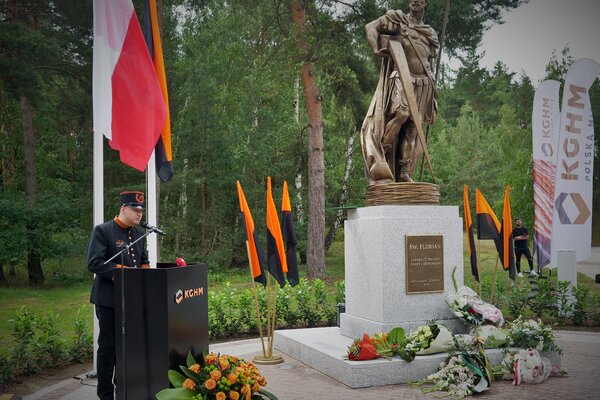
[{"x": 389, "y": 137}]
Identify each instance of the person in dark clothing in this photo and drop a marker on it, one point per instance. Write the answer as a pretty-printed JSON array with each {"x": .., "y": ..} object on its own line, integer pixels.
[
  {"x": 105, "y": 241},
  {"x": 520, "y": 237}
]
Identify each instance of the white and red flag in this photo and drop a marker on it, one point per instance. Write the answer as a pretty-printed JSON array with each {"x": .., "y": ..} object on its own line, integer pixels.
[
  {"x": 129, "y": 108},
  {"x": 545, "y": 128}
]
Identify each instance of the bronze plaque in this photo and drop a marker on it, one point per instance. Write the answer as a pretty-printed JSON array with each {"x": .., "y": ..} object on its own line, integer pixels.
[{"x": 424, "y": 264}]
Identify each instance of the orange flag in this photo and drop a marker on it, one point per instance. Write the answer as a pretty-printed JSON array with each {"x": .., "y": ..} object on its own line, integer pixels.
[
  {"x": 163, "y": 151},
  {"x": 469, "y": 229},
  {"x": 488, "y": 226},
  {"x": 507, "y": 255},
  {"x": 255, "y": 253},
  {"x": 275, "y": 249}
]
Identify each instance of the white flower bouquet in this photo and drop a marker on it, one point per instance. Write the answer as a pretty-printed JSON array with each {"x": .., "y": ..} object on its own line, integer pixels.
[
  {"x": 491, "y": 336},
  {"x": 464, "y": 342},
  {"x": 429, "y": 339},
  {"x": 461, "y": 375},
  {"x": 467, "y": 305}
]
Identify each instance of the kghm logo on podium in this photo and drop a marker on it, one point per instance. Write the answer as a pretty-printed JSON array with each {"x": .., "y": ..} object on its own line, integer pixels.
[{"x": 182, "y": 295}]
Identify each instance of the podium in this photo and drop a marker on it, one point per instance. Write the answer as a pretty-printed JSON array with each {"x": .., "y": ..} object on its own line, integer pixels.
[{"x": 166, "y": 316}]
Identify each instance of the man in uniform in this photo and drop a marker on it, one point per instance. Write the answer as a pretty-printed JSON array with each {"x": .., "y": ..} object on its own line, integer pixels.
[
  {"x": 389, "y": 134},
  {"x": 105, "y": 241}
]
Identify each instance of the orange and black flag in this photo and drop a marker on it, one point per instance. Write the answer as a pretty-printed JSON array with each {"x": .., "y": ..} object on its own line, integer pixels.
[
  {"x": 469, "y": 229},
  {"x": 162, "y": 151},
  {"x": 275, "y": 249},
  {"x": 289, "y": 237},
  {"x": 255, "y": 253},
  {"x": 488, "y": 226},
  {"x": 507, "y": 255}
]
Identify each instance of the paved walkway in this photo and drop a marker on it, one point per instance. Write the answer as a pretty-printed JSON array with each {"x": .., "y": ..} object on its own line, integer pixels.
[{"x": 293, "y": 380}]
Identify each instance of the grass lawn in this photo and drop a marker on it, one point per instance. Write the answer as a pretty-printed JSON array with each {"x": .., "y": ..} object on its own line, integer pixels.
[{"x": 64, "y": 302}]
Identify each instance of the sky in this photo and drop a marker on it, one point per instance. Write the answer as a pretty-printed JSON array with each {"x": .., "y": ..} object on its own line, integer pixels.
[{"x": 532, "y": 31}]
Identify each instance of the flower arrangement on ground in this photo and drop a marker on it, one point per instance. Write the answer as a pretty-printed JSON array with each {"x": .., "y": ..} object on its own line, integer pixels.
[
  {"x": 461, "y": 375},
  {"x": 385, "y": 345},
  {"x": 221, "y": 377},
  {"x": 525, "y": 366},
  {"x": 467, "y": 305},
  {"x": 429, "y": 339},
  {"x": 532, "y": 334}
]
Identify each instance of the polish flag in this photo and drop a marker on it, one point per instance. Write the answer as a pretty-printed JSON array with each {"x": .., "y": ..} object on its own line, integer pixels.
[{"x": 129, "y": 108}]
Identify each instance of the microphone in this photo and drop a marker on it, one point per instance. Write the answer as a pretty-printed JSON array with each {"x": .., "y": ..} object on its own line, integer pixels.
[{"x": 146, "y": 225}]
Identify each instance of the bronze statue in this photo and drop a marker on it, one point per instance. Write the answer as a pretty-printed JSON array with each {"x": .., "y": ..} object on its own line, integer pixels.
[{"x": 392, "y": 136}]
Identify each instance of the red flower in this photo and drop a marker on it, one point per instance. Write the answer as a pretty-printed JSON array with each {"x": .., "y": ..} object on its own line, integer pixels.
[{"x": 363, "y": 350}]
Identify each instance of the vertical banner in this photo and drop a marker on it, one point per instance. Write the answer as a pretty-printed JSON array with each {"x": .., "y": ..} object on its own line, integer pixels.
[
  {"x": 572, "y": 216},
  {"x": 545, "y": 121}
]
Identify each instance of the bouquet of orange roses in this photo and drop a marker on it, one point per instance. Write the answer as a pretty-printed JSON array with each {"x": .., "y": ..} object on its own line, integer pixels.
[{"x": 221, "y": 377}]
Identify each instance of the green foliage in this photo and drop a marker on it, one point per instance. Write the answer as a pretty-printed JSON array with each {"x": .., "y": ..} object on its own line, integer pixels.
[
  {"x": 580, "y": 307},
  {"x": 39, "y": 344},
  {"x": 340, "y": 292},
  {"x": 49, "y": 348},
  {"x": 82, "y": 342},
  {"x": 563, "y": 297},
  {"x": 594, "y": 313},
  {"x": 515, "y": 299},
  {"x": 543, "y": 302},
  {"x": 232, "y": 311}
]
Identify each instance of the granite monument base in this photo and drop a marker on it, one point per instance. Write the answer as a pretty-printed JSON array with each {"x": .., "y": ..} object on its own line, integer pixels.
[
  {"x": 389, "y": 284},
  {"x": 324, "y": 349}
]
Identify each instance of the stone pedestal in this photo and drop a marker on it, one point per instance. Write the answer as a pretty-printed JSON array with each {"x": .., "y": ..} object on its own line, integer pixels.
[{"x": 375, "y": 262}]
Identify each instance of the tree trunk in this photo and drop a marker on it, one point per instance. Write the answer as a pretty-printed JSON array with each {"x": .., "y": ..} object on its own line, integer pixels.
[
  {"x": 343, "y": 200},
  {"x": 2, "y": 276},
  {"x": 316, "y": 161},
  {"x": 298, "y": 180},
  {"x": 34, "y": 263}
]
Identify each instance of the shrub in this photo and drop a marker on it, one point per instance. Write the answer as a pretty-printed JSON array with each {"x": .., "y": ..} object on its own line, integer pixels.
[
  {"x": 543, "y": 302},
  {"x": 23, "y": 332},
  {"x": 564, "y": 304},
  {"x": 306, "y": 303},
  {"x": 81, "y": 347},
  {"x": 49, "y": 348},
  {"x": 581, "y": 305},
  {"x": 515, "y": 301},
  {"x": 7, "y": 369}
]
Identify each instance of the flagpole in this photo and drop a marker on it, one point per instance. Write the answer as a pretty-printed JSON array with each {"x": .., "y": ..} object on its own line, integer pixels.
[
  {"x": 151, "y": 202},
  {"x": 268, "y": 355},
  {"x": 258, "y": 316},
  {"x": 478, "y": 270},
  {"x": 495, "y": 278},
  {"x": 98, "y": 211},
  {"x": 274, "y": 320}
]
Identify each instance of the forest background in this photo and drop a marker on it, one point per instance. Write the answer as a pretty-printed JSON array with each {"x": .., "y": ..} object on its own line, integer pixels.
[{"x": 239, "y": 110}]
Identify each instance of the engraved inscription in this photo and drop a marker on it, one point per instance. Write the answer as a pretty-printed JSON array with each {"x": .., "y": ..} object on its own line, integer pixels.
[{"x": 424, "y": 264}]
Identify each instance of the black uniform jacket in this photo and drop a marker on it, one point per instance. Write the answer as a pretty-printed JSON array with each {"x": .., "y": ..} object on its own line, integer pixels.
[{"x": 106, "y": 240}]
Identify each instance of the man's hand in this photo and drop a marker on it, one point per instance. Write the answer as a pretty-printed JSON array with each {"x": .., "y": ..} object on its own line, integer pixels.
[{"x": 383, "y": 52}]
